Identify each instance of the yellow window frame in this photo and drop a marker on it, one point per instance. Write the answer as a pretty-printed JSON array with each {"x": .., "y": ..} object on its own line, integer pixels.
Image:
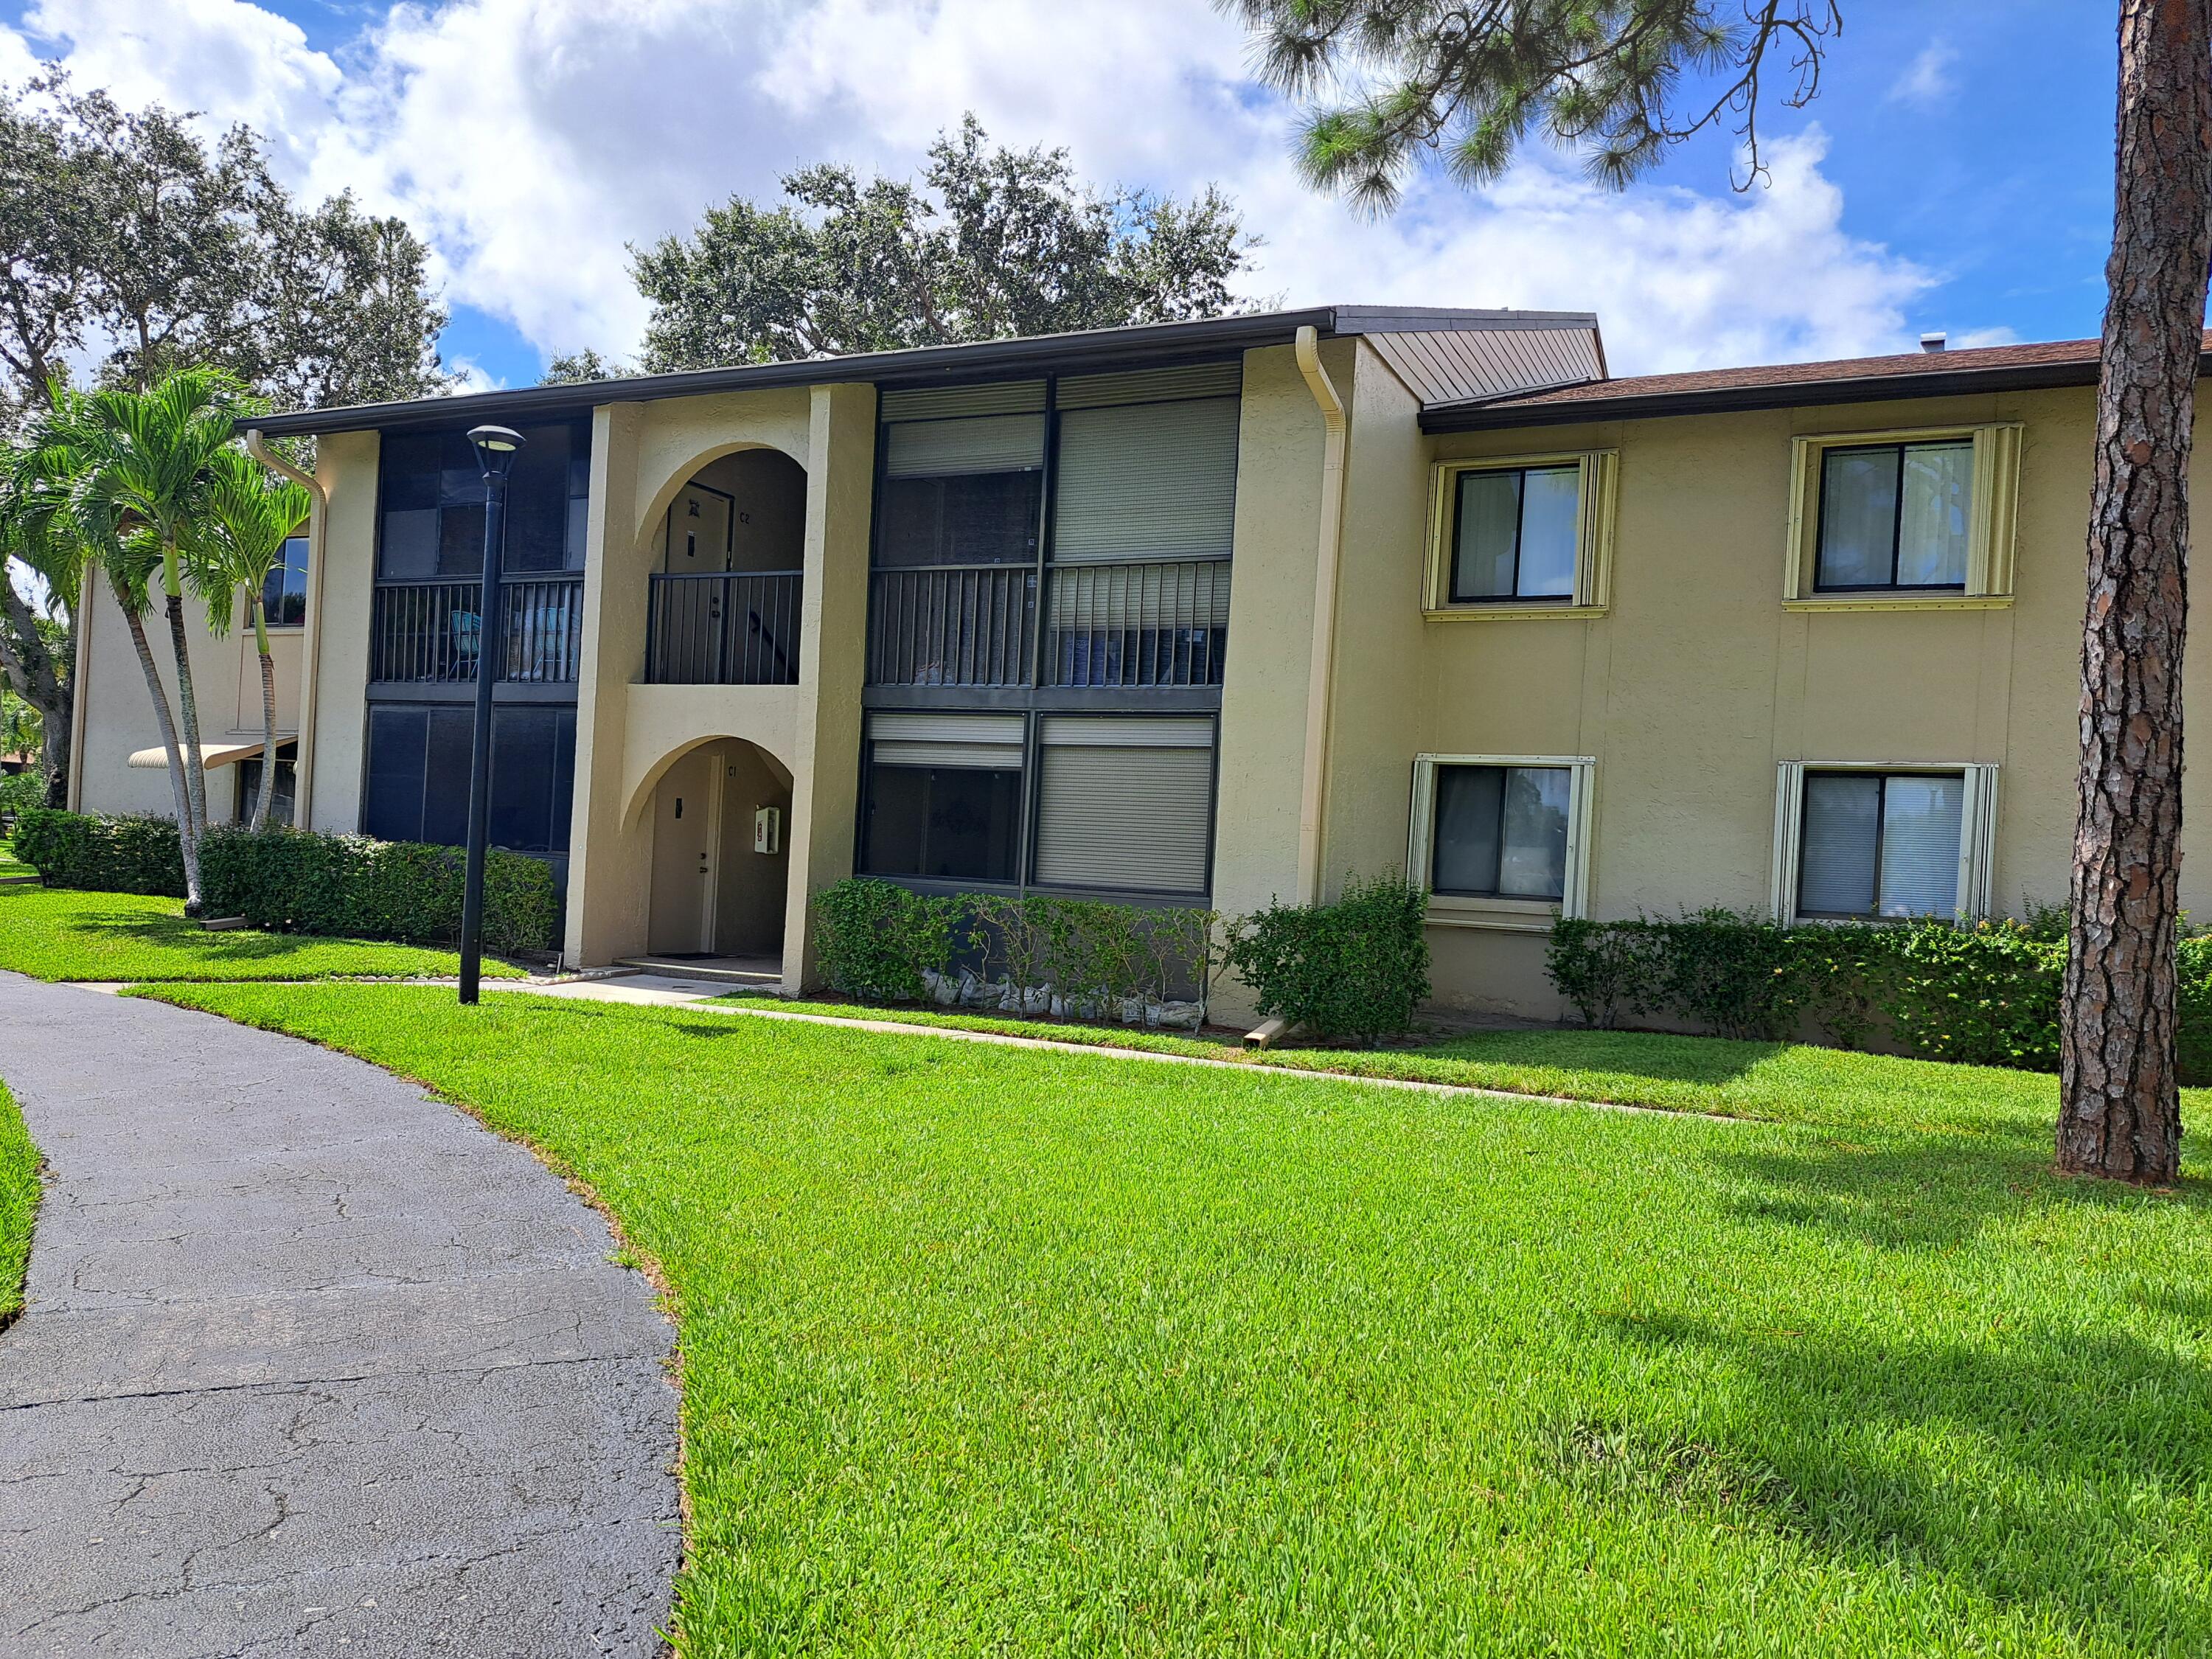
[
  {"x": 1992, "y": 526},
  {"x": 1593, "y": 534}
]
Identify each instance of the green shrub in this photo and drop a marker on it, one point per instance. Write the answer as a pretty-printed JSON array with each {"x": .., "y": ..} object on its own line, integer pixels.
[
  {"x": 873, "y": 940},
  {"x": 2193, "y": 1009},
  {"x": 1604, "y": 968},
  {"x": 1983, "y": 995},
  {"x": 1354, "y": 968},
  {"x": 22, "y": 792},
  {"x": 104, "y": 854},
  {"x": 1732, "y": 972},
  {"x": 298, "y": 881}
]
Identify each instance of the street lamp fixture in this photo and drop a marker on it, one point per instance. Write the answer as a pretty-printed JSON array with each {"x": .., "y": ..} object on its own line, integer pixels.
[{"x": 496, "y": 448}]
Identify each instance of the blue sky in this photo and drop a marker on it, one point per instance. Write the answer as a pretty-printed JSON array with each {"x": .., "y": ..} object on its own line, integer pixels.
[{"x": 1954, "y": 172}]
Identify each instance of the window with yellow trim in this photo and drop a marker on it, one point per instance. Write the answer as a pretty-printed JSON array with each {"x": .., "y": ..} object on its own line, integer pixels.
[
  {"x": 1895, "y": 520},
  {"x": 1523, "y": 535}
]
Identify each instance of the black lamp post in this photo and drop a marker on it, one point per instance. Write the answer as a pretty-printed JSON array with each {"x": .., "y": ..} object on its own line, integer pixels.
[{"x": 495, "y": 451}]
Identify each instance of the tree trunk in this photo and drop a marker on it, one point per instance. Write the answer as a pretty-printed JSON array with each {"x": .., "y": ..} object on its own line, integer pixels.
[
  {"x": 168, "y": 728},
  {"x": 188, "y": 706},
  {"x": 2120, "y": 1112},
  {"x": 40, "y": 678},
  {"x": 268, "y": 720}
]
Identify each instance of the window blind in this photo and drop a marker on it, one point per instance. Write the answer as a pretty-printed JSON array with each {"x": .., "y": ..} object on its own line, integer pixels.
[
  {"x": 1151, "y": 385},
  {"x": 936, "y": 403},
  {"x": 944, "y": 449},
  {"x": 1920, "y": 819},
  {"x": 1147, "y": 481},
  {"x": 1125, "y": 803},
  {"x": 990, "y": 742}
]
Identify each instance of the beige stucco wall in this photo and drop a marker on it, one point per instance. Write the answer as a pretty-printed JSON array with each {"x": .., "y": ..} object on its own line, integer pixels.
[
  {"x": 117, "y": 714},
  {"x": 1697, "y": 681},
  {"x": 338, "y": 609}
]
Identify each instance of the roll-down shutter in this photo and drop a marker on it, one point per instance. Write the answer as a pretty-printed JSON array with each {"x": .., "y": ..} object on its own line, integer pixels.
[
  {"x": 1125, "y": 803},
  {"x": 1147, "y": 481}
]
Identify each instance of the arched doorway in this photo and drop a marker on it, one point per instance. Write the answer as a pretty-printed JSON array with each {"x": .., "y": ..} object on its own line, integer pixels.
[{"x": 720, "y": 817}]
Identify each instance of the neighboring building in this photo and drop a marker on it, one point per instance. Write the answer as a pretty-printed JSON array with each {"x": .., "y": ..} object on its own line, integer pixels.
[{"x": 1802, "y": 638}]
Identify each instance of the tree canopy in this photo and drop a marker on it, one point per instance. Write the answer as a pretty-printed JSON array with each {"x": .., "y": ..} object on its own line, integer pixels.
[
  {"x": 988, "y": 243},
  {"x": 130, "y": 240}
]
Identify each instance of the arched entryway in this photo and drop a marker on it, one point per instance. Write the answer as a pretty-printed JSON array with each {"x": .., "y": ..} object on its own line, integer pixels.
[
  {"x": 725, "y": 579},
  {"x": 720, "y": 817}
]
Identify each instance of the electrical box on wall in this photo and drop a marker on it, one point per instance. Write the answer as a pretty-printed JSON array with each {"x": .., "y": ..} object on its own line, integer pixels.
[{"x": 768, "y": 830}]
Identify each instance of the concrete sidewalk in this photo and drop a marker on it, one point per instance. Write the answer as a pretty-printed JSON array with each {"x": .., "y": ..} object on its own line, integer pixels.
[{"x": 311, "y": 1363}]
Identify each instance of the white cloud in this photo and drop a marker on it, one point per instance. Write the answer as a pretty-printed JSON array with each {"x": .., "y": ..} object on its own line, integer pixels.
[
  {"x": 528, "y": 140},
  {"x": 1926, "y": 79}
]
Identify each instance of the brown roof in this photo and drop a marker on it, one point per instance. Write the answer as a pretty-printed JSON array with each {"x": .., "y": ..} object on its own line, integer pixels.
[{"x": 1778, "y": 386}]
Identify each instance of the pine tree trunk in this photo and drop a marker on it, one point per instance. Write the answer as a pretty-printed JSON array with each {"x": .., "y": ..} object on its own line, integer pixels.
[
  {"x": 168, "y": 724},
  {"x": 2120, "y": 1112}
]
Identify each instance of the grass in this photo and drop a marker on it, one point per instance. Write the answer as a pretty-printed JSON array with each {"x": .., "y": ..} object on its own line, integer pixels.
[
  {"x": 999, "y": 1350},
  {"x": 55, "y": 933},
  {"x": 9, "y": 863},
  {"x": 1781, "y": 1082},
  {"x": 19, "y": 1203}
]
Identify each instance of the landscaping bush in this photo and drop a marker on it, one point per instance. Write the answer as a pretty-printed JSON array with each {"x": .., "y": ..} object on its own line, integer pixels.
[
  {"x": 876, "y": 942},
  {"x": 1985, "y": 995},
  {"x": 873, "y": 940},
  {"x": 1354, "y": 968},
  {"x": 300, "y": 881},
  {"x": 105, "y": 854},
  {"x": 22, "y": 792}
]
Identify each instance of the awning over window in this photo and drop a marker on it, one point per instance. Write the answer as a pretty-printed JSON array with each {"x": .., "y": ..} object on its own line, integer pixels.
[{"x": 212, "y": 755}]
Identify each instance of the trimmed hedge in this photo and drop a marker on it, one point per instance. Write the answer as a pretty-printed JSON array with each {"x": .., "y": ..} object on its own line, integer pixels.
[
  {"x": 1986, "y": 994},
  {"x": 1354, "y": 968},
  {"x": 300, "y": 881},
  {"x": 878, "y": 942}
]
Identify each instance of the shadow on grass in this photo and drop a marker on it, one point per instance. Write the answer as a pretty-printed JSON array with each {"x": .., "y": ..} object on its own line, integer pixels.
[
  {"x": 1656, "y": 1055},
  {"x": 1928, "y": 1191},
  {"x": 164, "y": 932},
  {"x": 2057, "y": 1466}
]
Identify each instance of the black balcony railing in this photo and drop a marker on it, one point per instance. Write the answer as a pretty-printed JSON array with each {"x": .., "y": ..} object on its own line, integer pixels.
[
  {"x": 952, "y": 625},
  {"x": 725, "y": 628},
  {"x": 1165, "y": 623},
  {"x": 422, "y": 631}
]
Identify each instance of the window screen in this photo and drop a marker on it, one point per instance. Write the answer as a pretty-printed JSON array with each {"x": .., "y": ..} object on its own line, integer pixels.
[
  {"x": 966, "y": 490},
  {"x": 1501, "y": 831},
  {"x": 431, "y": 495},
  {"x": 1876, "y": 844},
  {"x": 1125, "y": 803},
  {"x": 417, "y": 783},
  {"x": 1147, "y": 481},
  {"x": 1515, "y": 532},
  {"x": 1895, "y": 515},
  {"x": 943, "y": 797}
]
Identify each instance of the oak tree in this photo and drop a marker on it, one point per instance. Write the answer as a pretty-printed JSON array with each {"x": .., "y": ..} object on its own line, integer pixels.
[{"x": 989, "y": 243}]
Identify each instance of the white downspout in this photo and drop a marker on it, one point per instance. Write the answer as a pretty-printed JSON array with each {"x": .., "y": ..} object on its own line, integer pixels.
[
  {"x": 1320, "y": 671},
  {"x": 310, "y": 643}
]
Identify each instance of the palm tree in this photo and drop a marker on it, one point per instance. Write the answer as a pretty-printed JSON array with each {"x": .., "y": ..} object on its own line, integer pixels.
[
  {"x": 130, "y": 473},
  {"x": 239, "y": 538}
]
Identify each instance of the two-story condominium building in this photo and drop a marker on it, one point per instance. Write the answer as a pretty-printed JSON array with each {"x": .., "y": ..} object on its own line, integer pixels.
[{"x": 1202, "y": 613}]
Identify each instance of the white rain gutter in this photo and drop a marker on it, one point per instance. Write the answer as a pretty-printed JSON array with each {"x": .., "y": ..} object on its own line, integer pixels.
[
  {"x": 310, "y": 644},
  {"x": 1320, "y": 671}
]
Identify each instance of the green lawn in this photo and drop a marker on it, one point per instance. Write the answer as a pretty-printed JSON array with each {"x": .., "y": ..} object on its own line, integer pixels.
[
  {"x": 999, "y": 1350},
  {"x": 9, "y": 863},
  {"x": 55, "y": 933},
  {"x": 19, "y": 1202},
  {"x": 1784, "y": 1082}
]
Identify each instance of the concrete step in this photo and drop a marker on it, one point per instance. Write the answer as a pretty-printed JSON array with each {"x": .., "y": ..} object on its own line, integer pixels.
[{"x": 752, "y": 971}]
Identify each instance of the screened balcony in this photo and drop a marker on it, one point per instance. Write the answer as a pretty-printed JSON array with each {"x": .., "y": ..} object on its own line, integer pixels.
[
  {"x": 430, "y": 632},
  {"x": 723, "y": 628}
]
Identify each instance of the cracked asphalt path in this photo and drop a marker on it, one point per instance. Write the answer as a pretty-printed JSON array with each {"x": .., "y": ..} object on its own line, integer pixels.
[{"x": 312, "y": 1363}]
